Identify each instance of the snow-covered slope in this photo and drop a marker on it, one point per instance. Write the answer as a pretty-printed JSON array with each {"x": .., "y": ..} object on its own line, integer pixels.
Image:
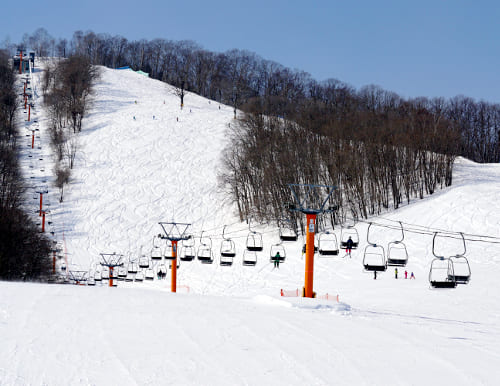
[{"x": 131, "y": 174}]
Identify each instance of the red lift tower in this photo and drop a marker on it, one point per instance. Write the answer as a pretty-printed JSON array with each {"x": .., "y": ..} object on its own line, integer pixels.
[
  {"x": 111, "y": 260},
  {"x": 174, "y": 232},
  {"x": 311, "y": 200}
]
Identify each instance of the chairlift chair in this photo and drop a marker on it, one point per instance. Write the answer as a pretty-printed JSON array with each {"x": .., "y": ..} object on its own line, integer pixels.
[
  {"x": 122, "y": 272},
  {"x": 129, "y": 277},
  {"x": 188, "y": 253},
  {"x": 254, "y": 242},
  {"x": 162, "y": 268},
  {"x": 97, "y": 276},
  {"x": 226, "y": 260},
  {"x": 461, "y": 267},
  {"x": 169, "y": 251},
  {"x": 249, "y": 258},
  {"x": 205, "y": 250},
  {"x": 149, "y": 274},
  {"x": 327, "y": 244},
  {"x": 139, "y": 276},
  {"x": 286, "y": 231},
  {"x": 156, "y": 253},
  {"x": 132, "y": 267},
  {"x": 143, "y": 262},
  {"x": 345, "y": 234},
  {"x": 91, "y": 281},
  {"x": 273, "y": 253},
  {"x": 227, "y": 247},
  {"x": 374, "y": 258},
  {"x": 441, "y": 273},
  {"x": 397, "y": 255},
  {"x": 105, "y": 274}
]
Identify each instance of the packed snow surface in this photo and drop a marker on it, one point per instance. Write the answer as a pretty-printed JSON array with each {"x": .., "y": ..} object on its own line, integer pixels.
[{"x": 229, "y": 325}]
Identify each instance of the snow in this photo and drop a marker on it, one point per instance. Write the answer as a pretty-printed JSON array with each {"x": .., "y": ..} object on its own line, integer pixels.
[{"x": 229, "y": 325}]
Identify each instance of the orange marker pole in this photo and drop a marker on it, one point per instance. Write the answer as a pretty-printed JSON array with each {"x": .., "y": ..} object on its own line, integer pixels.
[
  {"x": 173, "y": 285},
  {"x": 309, "y": 269}
]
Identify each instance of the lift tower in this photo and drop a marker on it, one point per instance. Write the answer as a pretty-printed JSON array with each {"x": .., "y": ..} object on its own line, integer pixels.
[
  {"x": 174, "y": 232},
  {"x": 311, "y": 200},
  {"x": 111, "y": 260}
]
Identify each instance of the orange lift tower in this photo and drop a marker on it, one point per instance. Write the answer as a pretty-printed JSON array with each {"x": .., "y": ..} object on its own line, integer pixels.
[
  {"x": 311, "y": 200},
  {"x": 174, "y": 232},
  {"x": 111, "y": 260}
]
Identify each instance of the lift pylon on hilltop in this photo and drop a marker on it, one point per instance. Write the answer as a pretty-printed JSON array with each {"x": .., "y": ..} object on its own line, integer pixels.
[
  {"x": 174, "y": 232},
  {"x": 311, "y": 200},
  {"x": 111, "y": 260}
]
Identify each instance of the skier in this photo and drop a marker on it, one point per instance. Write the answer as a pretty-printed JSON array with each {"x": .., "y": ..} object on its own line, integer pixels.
[
  {"x": 374, "y": 275},
  {"x": 395, "y": 273},
  {"x": 406, "y": 274},
  {"x": 412, "y": 276},
  {"x": 277, "y": 260},
  {"x": 349, "y": 243}
]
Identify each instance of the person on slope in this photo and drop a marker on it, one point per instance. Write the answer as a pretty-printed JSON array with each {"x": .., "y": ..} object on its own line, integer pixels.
[
  {"x": 349, "y": 244},
  {"x": 277, "y": 260},
  {"x": 395, "y": 273}
]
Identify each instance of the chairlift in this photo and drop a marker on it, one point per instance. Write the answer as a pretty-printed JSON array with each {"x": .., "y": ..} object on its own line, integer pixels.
[
  {"x": 461, "y": 267},
  {"x": 139, "y": 276},
  {"x": 122, "y": 272},
  {"x": 397, "y": 255},
  {"x": 156, "y": 253},
  {"x": 374, "y": 256},
  {"x": 254, "y": 240},
  {"x": 227, "y": 247},
  {"x": 169, "y": 251},
  {"x": 132, "y": 267},
  {"x": 205, "y": 250},
  {"x": 441, "y": 273},
  {"x": 286, "y": 231},
  {"x": 249, "y": 258},
  {"x": 351, "y": 232},
  {"x": 97, "y": 276},
  {"x": 149, "y": 274},
  {"x": 105, "y": 274},
  {"x": 277, "y": 252},
  {"x": 187, "y": 253},
  {"x": 91, "y": 281},
  {"x": 130, "y": 277},
  {"x": 327, "y": 244},
  {"x": 143, "y": 262},
  {"x": 162, "y": 269}
]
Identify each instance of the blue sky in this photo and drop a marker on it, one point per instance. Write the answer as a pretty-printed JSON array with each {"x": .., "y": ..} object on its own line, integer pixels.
[{"x": 414, "y": 48}]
